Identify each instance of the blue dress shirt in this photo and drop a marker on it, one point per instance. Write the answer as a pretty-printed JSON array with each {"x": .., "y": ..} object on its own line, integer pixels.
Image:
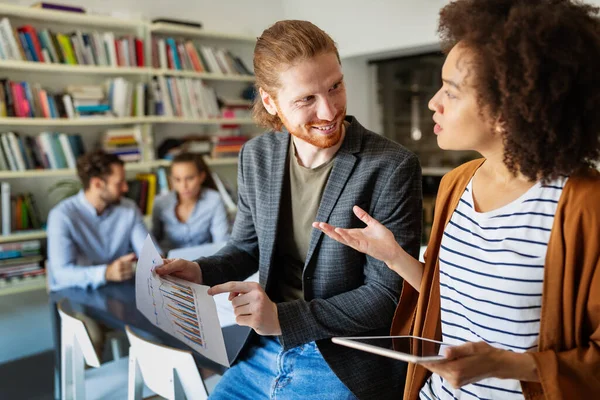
[
  {"x": 207, "y": 223},
  {"x": 82, "y": 243}
]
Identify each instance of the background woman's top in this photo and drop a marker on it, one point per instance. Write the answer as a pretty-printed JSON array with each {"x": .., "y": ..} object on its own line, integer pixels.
[{"x": 207, "y": 224}]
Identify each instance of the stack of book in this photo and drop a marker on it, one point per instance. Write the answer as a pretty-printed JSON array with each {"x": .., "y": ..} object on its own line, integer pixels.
[
  {"x": 227, "y": 146},
  {"x": 183, "y": 97},
  {"x": 18, "y": 212},
  {"x": 20, "y": 259},
  {"x": 88, "y": 100},
  {"x": 124, "y": 143},
  {"x": 26, "y": 43},
  {"x": 184, "y": 55},
  {"x": 45, "y": 151}
]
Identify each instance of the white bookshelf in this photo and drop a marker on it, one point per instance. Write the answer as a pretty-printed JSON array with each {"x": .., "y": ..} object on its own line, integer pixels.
[
  {"x": 231, "y": 84},
  {"x": 26, "y": 284}
]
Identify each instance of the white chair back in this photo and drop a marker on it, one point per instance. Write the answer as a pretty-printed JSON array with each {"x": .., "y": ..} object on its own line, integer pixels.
[
  {"x": 76, "y": 347},
  {"x": 168, "y": 372}
]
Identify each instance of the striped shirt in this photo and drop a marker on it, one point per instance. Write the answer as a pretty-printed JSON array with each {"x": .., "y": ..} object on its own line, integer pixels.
[{"x": 491, "y": 275}]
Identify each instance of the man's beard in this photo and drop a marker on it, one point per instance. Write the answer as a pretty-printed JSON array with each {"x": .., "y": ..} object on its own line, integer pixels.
[
  {"x": 318, "y": 140},
  {"x": 109, "y": 199}
]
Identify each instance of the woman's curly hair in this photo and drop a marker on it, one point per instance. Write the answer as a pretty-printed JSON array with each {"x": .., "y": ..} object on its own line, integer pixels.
[{"x": 538, "y": 70}]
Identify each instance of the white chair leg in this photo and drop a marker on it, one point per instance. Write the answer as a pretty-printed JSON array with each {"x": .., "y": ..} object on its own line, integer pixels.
[
  {"x": 136, "y": 382},
  {"x": 178, "y": 391},
  {"x": 115, "y": 348}
]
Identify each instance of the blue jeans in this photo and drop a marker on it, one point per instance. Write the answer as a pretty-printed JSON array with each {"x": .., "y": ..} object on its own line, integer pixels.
[{"x": 265, "y": 371}]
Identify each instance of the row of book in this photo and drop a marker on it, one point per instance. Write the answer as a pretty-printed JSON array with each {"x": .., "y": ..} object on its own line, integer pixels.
[
  {"x": 18, "y": 212},
  {"x": 145, "y": 187},
  {"x": 184, "y": 97},
  {"x": 164, "y": 96},
  {"x": 26, "y": 43},
  {"x": 116, "y": 98},
  {"x": 169, "y": 53},
  {"x": 48, "y": 150},
  {"x": 21, "y": 259}
]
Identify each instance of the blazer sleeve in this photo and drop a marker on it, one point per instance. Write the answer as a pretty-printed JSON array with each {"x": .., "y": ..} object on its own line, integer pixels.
[
  {"x": 239, "y": 258},
  {"x": 370, "y": 306}
]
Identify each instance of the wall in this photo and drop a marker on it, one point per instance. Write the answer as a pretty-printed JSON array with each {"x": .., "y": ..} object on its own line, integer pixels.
[{"x": 371, "y": 27}]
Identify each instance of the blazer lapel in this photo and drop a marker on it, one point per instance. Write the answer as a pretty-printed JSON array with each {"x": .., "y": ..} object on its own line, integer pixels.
[
  {"x": 273, "y": 188},
  {"x": 342, "y": 170}
]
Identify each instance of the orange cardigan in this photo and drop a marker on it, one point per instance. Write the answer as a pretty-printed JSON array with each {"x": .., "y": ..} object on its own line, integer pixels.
[{"x": 568, "y": 355}]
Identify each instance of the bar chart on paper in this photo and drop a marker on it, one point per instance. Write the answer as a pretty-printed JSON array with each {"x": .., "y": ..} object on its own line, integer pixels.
[
  {"x": 181, "y": 308},
  {"x": 179, "y": 303}
]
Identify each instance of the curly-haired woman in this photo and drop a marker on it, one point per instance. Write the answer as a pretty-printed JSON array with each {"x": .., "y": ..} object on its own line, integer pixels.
[{"x": 512, "y": 272}]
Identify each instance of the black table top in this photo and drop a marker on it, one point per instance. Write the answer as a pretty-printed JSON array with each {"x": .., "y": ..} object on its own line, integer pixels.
[{"x": 114, "y": 306}]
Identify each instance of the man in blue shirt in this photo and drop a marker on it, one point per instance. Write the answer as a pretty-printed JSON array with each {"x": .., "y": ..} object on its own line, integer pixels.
[{"x": 91, "y": 235}]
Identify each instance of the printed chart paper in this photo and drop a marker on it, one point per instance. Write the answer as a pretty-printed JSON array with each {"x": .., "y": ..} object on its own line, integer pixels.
[{"x": 181, "y": 308}]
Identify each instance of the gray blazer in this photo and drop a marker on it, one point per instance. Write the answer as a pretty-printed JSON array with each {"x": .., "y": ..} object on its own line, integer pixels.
[{"x": 345, "y": 292}]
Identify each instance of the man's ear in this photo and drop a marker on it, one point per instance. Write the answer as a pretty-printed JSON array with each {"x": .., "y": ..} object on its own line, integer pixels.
[
  {"x": 96, "y": 183},
  {"x": 268, "y": 101}
]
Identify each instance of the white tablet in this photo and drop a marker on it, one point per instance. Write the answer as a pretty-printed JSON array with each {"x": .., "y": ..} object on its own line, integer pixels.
[{"x": 404, "y": 348}]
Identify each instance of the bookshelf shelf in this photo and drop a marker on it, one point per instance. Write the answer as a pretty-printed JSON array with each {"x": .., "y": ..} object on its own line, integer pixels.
[
  {"x": 210, "y": 121},
  {"x": 13, "y": 121},
  {"x": 25, "y": 235},
  {"x": 32, "y": 66},
  {"x": 26, "y": 284},
  {"x": 69, "y": 17},
  {"x": 204, "y": 75},
  {"x": 174, "y": 29},
  {"x": 44, "y": 173},
  {"x": 130, "y": 167}
]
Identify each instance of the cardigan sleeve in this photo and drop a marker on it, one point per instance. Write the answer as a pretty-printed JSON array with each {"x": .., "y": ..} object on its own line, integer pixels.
[
  {"x": 575, "y": 373},
  {"x": 568, "y": 362}
]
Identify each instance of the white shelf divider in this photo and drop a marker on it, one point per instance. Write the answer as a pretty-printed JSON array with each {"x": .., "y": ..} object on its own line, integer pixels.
[{"x": 26, "y": 284}]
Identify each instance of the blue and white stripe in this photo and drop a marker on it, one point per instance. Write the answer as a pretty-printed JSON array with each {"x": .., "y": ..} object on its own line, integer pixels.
[{"x": 491, "y": 276}]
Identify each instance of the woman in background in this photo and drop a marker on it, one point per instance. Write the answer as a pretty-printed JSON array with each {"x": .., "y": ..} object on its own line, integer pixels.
[
  {"x": 511, "y": 276},
  {"x": 193, "y": 212}
]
